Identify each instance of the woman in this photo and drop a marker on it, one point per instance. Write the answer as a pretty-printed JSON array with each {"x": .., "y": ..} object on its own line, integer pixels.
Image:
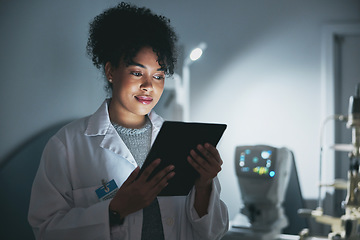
[{"x": 87, "y": 186}]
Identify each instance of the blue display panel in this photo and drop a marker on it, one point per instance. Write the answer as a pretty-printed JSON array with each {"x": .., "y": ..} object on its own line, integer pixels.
[{"x": 256, "y": 162}]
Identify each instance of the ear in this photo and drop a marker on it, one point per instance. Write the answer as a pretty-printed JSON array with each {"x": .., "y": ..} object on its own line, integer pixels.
[{"x": 108, "y": 71}]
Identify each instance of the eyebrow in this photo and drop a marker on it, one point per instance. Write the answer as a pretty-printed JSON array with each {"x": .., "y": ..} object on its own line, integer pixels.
[{"x": 132, "y": 63}]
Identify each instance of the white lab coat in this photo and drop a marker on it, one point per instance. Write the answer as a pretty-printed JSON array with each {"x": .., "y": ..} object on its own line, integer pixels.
[{"x": 63, "y": 202}]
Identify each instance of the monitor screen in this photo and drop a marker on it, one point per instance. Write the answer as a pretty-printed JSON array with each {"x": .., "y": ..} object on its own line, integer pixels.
[{"x": 256, "y": 162}]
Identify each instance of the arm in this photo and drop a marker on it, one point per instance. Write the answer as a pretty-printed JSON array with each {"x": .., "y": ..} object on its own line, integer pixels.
[
  {"x": 208, "y": 165},
  {"x": 215, "y": 223},
  {"x": 53, "y": 212},
  {"x": 207, "y": 213}
]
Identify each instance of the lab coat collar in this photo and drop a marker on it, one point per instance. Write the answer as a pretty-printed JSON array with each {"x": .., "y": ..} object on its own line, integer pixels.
[
  {"x": 99, "y": 124},
  {"x": 156, "y": 122}
]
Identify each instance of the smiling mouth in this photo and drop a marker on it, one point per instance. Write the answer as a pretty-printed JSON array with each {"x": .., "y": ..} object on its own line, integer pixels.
[{"x": 144, "y": 99}]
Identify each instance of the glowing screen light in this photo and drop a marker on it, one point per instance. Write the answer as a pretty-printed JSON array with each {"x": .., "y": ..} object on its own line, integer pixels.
[
  {"x": 260, "y": 170},
  {"x": 196, "y": 54},
  {"x": 266, "y": 154}
]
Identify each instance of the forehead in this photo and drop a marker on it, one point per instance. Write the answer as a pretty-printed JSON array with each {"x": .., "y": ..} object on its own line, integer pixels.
[
  {"x": 146, "y": 52},
  {"x": 145, "y": 57}
]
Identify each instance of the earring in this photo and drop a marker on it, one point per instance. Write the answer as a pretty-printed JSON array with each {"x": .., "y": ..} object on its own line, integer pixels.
[{"x": 110, "y": 80}]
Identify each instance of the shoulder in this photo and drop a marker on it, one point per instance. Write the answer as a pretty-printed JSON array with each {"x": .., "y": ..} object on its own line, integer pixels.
[
  {"x": 92, "y": 125},
  {"x": 72, "y": 129}
]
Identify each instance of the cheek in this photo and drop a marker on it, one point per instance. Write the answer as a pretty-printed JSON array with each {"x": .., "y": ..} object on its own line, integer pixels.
[
  {"x": 160, "y": 87},
  {"x": 128, "y": 87}
]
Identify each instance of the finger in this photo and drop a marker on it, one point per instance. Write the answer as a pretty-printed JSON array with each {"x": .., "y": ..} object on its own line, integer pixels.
[
  {"x": 132, "y": 176},
  {"x": 199, "y": 159},
  {"x": 160, "y": 175},
  {"x": 207, "y": 154},
  {"x": 210, "y": 166},
  {"x": 207, "y": 173},
  {"x": 200, "y": 169},
  {"x": 213, "y": 152},
  {"x": 163, "y": 183},
  {"x": 149, "y": 169}
]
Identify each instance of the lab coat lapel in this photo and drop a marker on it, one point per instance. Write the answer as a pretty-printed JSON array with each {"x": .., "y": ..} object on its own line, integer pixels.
[
  {"x": 156, "y": 122},
  {"x": 99, "y": 125},
  {"x": 113, "y": 142}
]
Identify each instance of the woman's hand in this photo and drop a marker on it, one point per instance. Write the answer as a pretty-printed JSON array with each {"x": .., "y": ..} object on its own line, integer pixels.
[
  {"x": 207, "y": 164},
  {"x": 134, "y": 195}
]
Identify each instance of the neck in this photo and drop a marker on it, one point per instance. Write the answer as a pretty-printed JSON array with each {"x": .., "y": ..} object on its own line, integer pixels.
[{"x": 127, "y": 120}]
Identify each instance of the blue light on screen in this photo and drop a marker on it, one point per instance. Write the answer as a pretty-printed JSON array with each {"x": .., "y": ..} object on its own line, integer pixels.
[
  {"x": 266, "y": 154},
  {"x": 272, "y": 173}
]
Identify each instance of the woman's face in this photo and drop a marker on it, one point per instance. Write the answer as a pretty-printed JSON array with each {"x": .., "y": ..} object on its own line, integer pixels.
[{"x": 137, "y": 87}]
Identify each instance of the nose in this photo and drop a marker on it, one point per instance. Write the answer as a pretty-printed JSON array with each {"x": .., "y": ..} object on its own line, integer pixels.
[{"x": 146, "y": 83}]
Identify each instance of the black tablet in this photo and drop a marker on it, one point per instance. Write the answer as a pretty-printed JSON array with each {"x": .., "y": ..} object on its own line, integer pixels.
[{"x": 173, "y": 145}]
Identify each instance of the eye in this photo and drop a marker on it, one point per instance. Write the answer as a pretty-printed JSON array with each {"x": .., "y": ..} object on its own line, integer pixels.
[
  {"x": 159, "y": 77},
  {"x": 137, "y": 74}
]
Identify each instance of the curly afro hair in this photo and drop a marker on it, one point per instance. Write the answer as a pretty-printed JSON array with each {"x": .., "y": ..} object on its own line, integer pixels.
[{"x": 120, "y": 32}]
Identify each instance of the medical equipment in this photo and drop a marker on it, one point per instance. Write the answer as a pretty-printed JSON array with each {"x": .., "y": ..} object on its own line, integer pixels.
[
  {"x": 263, "y": 176},
  {"x": 347, "y": 227}
]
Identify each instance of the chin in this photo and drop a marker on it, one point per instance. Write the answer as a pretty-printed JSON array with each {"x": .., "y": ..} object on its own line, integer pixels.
[{"x": 144, "y": 112}]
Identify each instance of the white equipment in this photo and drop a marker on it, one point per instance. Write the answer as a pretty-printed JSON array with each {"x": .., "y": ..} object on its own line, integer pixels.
[{"x": 263, "y": 175}]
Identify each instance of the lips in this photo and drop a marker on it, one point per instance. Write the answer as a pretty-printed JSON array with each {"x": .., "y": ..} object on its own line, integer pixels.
[{"x": 144, "y": 99}]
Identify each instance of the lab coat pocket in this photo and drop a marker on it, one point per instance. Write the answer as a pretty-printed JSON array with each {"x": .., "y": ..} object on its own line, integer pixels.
[{"x": 85, "y": 197}]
